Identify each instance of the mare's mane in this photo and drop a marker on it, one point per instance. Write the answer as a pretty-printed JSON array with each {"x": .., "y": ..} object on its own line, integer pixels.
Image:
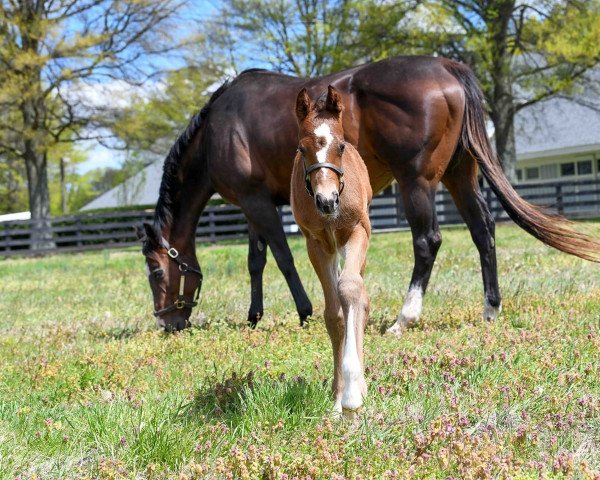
[{"x": 170, "y": 183}]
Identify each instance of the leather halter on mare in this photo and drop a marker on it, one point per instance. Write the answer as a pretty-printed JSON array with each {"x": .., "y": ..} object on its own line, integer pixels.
[
  {"x": 180, "y": 303},
  {"x": 315, "y": 166}
]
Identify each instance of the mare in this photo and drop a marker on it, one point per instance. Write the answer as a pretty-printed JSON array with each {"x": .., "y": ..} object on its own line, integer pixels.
[
  {"x": 419, "y": 120},
  {"x": 330, "y": 197}
]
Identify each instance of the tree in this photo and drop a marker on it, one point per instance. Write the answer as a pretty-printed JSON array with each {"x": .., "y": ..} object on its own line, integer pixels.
[
  {"x": 12, "y": 186},
  {"x": 303, "y": 37},
  {"x": 149, "y": 125},
  {"x": 51, "y": 56},
  {"x": 522, "y": 53}
]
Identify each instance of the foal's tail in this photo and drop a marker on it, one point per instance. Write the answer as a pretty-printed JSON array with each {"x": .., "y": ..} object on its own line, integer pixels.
[{"x": 553, "y": 230}]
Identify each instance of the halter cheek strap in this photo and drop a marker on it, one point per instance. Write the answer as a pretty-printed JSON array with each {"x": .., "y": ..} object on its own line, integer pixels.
[
  {"x": 184, "y": 268},
  {"x": 316, "y": 166}
]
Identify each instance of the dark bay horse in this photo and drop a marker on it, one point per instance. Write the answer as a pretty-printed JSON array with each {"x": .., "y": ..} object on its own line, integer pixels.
[
  {"x": 330, "y": 197},
  {"x": 419, "y": 120}
]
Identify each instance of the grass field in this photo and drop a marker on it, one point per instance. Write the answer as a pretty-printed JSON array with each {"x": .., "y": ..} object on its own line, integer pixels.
[{"x": 89, "y": 388}]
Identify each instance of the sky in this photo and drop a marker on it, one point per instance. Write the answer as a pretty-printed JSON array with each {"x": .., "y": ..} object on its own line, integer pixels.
[{"x": 100, "y": 156}]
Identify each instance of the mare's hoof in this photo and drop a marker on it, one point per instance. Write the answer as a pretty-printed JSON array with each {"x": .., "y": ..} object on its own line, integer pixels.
[
  {"x": 490, "y": 313},
  {"x": 304, "y": 314},
  {"x": 395, "y": 329},
  {"x": 253, "y": 319},
  {"x": 401, "y": 325},
  {"x": 304, "y": 321}
]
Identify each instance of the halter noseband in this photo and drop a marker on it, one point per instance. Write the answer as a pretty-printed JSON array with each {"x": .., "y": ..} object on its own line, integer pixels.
[
  {"x": 180, "y": 303},
  {"x": 316, "y": 166}
]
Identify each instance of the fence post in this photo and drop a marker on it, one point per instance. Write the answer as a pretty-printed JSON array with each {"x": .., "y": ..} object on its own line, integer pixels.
[
  {"x": 399, "y": 205},
  {"x": 212, "y": 225},
  {"x": 79, "y": 230},
  {"x": 559, "y": 199},
  {"x": 7, "y": 236}
]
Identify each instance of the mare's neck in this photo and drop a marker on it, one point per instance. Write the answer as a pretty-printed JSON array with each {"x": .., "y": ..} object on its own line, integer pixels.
[{"x": 185, "y": 213}]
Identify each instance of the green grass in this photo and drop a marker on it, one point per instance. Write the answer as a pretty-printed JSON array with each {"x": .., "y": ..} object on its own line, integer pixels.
[{"x": 89, "y": 388}]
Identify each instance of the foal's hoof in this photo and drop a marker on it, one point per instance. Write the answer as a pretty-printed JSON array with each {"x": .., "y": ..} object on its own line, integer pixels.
[{"x": 351, "y": 414}]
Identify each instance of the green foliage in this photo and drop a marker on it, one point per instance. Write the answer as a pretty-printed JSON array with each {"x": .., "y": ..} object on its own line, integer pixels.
[
  {"x": 89, "y": 389},
  {"x": 13, "y": 194},
  {"x": 50, "y": 53},
  {"x": 152, "y": 122},
  {"x": 305, "y": 37}
]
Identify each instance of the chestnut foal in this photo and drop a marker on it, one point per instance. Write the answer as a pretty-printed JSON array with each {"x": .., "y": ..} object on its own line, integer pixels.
[{"x": 331, "y": 209}]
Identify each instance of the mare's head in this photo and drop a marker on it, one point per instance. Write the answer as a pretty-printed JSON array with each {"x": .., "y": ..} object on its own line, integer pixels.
[
  {"x": 175, "y": 278},
  {"x": 321, "y": 144}
]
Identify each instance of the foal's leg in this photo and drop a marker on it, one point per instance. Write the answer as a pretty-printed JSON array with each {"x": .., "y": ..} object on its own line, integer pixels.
[
  {"x": 257, "y": 258},
  {"x": 464, "y": 188},
  {"x": 263, "y": 216},
  {"x": 419, "y": 203},
  {"x": 355, "y": 304},
  {"x": 326, "y": 266}
]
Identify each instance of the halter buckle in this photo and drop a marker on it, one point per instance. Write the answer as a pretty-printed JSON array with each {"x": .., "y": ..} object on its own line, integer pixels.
[
  {"x": 180, "y": 304},
  {"x": 172, "y": 252}
]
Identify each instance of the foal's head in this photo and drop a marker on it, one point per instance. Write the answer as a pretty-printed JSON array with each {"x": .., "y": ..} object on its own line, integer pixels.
[{"x": 321, "y": 144}]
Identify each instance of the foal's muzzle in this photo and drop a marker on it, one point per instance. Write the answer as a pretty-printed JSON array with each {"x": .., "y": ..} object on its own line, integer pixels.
[{"x": 328, "y": 205}]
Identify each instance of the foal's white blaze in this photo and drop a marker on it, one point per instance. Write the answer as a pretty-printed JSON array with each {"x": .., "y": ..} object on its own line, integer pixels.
[
  {"x": 351, "y": 368},
  {"x": 324, "y": 131},
  {"x": 490, "y": 312}
]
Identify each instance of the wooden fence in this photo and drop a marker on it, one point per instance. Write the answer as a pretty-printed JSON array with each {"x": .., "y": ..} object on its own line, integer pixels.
[{"x": 107, "y": 230}]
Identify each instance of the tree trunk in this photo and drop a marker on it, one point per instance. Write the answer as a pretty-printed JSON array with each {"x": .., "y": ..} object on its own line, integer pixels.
[
  {"x": 497, "y": 17},
  {"x": 39, "y": 199},
  {"x": 36, "y": 164},
  {"x": 33, "y": 111},
  {"x": 505, "y": 143}
]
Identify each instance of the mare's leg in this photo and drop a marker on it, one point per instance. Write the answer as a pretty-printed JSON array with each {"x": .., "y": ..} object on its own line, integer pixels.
[
  {"x": 461, "y": 182},
  {"x": 419, "y": 203},
  {"x": 326, "y": 266},
  {"x": 355, "y": 305},
  {"x": 257, "y": 259},
  {"x": 263, "y": 216}
]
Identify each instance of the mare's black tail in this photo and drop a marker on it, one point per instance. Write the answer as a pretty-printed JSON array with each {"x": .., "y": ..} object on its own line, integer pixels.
[{"x": 553, "y": 230}]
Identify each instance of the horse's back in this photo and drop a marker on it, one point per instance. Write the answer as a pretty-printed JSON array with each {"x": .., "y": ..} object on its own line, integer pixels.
[{"x": 395, "y": 108}]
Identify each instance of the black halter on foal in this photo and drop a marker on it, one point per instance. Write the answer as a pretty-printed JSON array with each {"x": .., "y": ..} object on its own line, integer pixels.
[
  {"x": 180, "y": 303},
  {"x": 315, "y": 166}
]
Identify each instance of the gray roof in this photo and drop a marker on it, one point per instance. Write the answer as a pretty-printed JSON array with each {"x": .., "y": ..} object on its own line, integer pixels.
[
  {"x": 555, "y": 126},
  {"x": 141, "y": 189}
]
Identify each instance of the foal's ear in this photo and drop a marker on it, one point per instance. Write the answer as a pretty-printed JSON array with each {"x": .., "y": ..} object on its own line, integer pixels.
[
  {"x": 333, "y": 103},
  {"x": 302, "y": 105}
]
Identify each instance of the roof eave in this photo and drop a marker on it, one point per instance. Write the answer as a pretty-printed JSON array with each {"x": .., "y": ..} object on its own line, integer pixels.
[{"x": 558, "y": 152}]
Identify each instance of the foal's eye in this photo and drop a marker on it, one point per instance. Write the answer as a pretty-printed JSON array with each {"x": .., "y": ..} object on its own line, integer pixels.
[
  {"x": 301, "y": 149},
  {"x": 342, "y": 148}
]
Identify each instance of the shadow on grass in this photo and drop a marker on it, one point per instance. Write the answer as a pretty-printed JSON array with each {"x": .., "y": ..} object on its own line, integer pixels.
[
  {"x": 117, "y": 333},
  {"x": 244, "y": 400}
]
